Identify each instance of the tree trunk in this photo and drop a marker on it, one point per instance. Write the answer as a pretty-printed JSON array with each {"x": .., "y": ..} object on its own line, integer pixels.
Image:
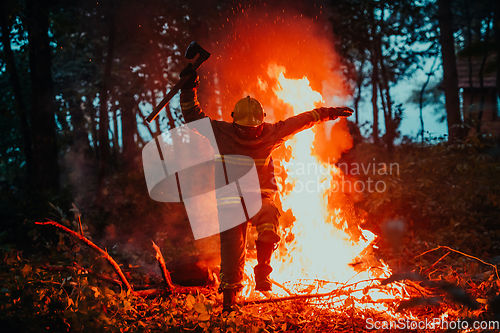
[
  {"x": 421, "y": 99},
  {"x": 375, "y": 132},
  {"x": 103, "y": 109},
  {"x": 496, "y": 25},
  {"x": 450, "y": 80},
  {"x": 89, "y": 107},
  {"x": 359, "y": 83},
  {"x": 17, "y": 91},
  {"x": 375, "y": 79},
  {"x": 129, "y": 125},
  {"x": 385, "y": 83},
  {"x": 116, "y": 144},
  {"x": 44, "y": 136},
  {"x": 81, "y": 143},
  {"x": 468, "y": 17},
  {"x": 481, "y": 77}
]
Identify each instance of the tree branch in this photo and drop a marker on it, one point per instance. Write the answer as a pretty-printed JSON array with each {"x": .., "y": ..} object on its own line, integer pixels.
[
  {"x": 164, "y": 271},
  {"x": 462, "y": 253},
  {"x": 95, "y": 247}
]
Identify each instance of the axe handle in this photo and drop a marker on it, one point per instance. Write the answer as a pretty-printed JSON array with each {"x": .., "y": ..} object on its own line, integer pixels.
[
  {"x": 167, "y": 98},
  {"x": 175, "y": 89}
]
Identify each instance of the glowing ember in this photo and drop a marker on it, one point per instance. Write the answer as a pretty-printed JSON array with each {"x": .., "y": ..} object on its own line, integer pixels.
[{"x": 316, "y": 255}]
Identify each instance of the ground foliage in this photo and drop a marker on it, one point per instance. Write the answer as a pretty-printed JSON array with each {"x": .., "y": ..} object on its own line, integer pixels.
[
  {"x": 452, "y": 190},
  {"x": 446, "y": 194}
]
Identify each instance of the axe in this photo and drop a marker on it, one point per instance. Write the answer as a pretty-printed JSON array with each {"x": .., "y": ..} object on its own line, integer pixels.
[{"x": 191, "y": 52}]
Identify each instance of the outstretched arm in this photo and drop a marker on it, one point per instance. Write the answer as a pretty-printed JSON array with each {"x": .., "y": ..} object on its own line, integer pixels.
[
  {"x": 190, "y": 106},
  {"x": 295, "y": 124}
]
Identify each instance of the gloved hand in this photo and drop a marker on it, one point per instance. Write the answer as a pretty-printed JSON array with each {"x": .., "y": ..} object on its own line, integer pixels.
[
  {"x": 193, "y": 81},
  {"x": 334, "y": 113}
]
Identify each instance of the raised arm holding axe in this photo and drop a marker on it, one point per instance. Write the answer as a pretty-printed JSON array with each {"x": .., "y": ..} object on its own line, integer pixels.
[{"x": 191, "y": 52}]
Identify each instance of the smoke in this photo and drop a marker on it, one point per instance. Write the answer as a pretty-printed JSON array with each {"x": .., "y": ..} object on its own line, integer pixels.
[
  {"x": 251, "y": 41},
  {"x": 251, "y": 38}
]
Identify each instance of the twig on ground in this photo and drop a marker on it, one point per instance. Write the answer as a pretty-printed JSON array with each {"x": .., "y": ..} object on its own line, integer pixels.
[
  {"x": 164, "y": 271},
  {"x": 96, "y": 248},
  {"x": 283, "y": 287},
  {"x": 80, "y": 221},
  {"x": 434, "y": 264},
  {"x": 462, "y": 253},
  {"x": 171, "y": 287},
  {"x": 333, "y": 293},
  {"x": 308, "y": 296},
  {"x": 423, "y": 291},
  {"x": 149, "y": 292}
]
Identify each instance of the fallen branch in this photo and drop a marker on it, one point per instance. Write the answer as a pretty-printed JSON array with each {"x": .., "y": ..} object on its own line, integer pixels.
[
  {"x": 96, "y": 248},
  {"x": 434, "y": 264},
  {"x": 309, "y": 296},
  {"x": 283, "y": 299},
  {"x": 164, "y": 271},
  {"x": 333, "y": 293},
  {"x": 149, "y": 292},
  {"x": 462, "y": 253},
  {"x": 171, "y": 287},
  {"x": 282, "y": 287}
]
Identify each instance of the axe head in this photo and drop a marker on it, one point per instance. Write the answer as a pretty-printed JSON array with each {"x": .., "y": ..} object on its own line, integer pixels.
[{"x": 194, "y": 49}]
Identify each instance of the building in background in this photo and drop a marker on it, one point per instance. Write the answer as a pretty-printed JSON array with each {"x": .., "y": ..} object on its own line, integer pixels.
[{"x": 477, "y": 95}]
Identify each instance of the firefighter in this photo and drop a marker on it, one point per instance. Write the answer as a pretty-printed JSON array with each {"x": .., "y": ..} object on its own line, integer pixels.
[{"x": 249, "y": 135}]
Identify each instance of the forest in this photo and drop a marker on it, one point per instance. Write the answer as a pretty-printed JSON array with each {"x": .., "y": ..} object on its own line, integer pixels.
[{"x": 405, "y": 236}]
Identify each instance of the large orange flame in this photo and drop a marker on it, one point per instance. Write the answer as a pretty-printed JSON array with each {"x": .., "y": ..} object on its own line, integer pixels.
[
  {"x": 286, "y": 59},
  {"x": 317, "y": 255}
]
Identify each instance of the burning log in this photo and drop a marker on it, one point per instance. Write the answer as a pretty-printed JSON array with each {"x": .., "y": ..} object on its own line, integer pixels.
[{"x": 96, "y": 248}]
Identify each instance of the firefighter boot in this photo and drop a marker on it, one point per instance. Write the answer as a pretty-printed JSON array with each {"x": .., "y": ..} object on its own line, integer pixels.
[
  {"x": 229, "y": 302},
  {"x": 263, "y": 268}
]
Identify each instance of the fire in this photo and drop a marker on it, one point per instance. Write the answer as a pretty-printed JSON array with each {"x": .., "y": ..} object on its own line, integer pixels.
[{"x": 316, "y": 256}]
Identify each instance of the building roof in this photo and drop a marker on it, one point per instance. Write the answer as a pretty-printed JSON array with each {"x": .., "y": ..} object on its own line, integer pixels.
[{"x": 464, "y": 74}]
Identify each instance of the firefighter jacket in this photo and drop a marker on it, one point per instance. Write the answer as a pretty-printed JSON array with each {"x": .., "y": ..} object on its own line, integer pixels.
[{"x": 260, "y": 149}]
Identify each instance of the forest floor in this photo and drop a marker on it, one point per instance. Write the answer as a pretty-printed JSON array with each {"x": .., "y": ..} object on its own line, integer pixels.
[{"x": 448, "y": 196}]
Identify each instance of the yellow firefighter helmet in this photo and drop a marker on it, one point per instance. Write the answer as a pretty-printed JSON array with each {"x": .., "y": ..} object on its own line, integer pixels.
[{"x": 248, "y": 112}]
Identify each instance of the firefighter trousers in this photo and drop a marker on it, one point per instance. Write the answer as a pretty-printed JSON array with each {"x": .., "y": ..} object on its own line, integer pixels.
[{"x": 233, "y": 244}]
